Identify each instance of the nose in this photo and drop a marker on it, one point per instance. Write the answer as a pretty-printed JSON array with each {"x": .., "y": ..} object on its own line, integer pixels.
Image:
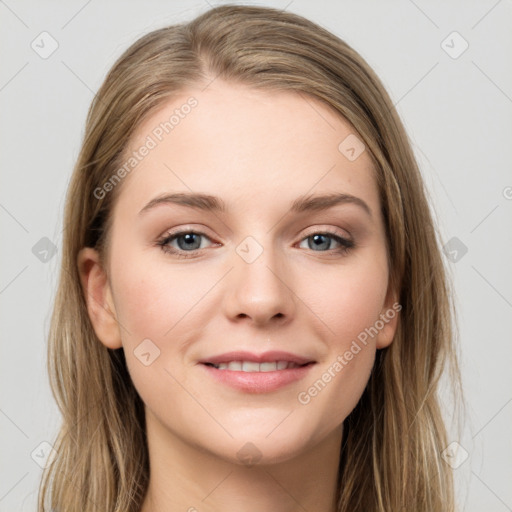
[{"x": 261, "y": 291}]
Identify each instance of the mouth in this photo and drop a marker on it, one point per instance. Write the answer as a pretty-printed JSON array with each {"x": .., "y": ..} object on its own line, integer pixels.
[
  {"x": 253, "y": 373},
  {"x": 253, "y": 366}
]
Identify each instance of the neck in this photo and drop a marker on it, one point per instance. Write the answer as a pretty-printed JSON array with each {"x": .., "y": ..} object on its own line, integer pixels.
[{"x": 187, "y": 478}]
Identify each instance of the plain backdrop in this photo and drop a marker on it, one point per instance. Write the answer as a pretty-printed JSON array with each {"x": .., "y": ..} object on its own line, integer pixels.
[{"x": 448, "y": 68}]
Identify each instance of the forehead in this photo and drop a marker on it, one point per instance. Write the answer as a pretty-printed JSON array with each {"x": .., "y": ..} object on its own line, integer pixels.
[{"x": 253, "y": 146}]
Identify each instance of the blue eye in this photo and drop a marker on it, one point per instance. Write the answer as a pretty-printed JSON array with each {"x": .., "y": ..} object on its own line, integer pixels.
[
  {"x": 189, "y": 243},
  {"x": 318, "y": 240}
]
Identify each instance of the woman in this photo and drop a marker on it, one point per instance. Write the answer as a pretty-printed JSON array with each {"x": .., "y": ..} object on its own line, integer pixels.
[{"x": 253, "y": 312}]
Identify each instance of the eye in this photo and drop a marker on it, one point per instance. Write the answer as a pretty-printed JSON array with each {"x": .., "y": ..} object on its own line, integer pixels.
[
  {"x": 187, "y": 241},
  {"x": 323, "y": 240}
]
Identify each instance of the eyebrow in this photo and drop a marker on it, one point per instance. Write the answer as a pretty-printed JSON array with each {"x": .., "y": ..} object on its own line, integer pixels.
[{"x": 302, "y": 204}]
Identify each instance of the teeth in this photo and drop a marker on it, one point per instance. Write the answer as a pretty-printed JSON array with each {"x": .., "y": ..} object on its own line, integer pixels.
[{"x": 251, "y": 366}]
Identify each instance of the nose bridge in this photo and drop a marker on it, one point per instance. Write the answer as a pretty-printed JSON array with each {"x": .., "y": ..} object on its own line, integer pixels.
[{"x": 258, "y": 286}]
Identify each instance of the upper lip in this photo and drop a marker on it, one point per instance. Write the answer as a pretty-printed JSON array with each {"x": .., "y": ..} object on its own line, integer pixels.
[{"x": 265, "y": 357}]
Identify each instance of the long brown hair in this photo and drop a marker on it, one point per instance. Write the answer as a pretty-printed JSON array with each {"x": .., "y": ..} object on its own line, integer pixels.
[{"x": 390, "y": 457}]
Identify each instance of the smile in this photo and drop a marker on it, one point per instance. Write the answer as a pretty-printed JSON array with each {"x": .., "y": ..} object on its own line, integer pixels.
[
  {"x": 253, "y": 377},
  {"x": 253, "y": 366}
]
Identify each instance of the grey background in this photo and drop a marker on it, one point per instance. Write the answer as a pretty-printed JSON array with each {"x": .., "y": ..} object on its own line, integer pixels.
[{"x": 457, "y": 112}]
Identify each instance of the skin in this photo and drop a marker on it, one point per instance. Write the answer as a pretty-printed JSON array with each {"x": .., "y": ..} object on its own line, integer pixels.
[{"x": 258, "y": 151}]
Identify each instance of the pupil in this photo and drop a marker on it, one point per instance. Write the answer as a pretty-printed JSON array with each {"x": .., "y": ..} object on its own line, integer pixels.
[
  {"x": 318, "y": 242},
  {"x": 189, "y": 239}
]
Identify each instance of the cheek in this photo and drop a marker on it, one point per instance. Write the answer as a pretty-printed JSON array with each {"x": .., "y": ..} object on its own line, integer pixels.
[
  {"x": 347, "y": 300},
  {"x": 165, "y": 304},
  {"x": 152, "y": 302},
  {"x": 155, "y": 307},
  {"x": 348, "y": 305}
]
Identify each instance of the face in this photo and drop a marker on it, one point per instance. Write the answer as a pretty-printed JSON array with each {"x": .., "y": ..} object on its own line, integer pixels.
[{"x": 188, "y": 283}]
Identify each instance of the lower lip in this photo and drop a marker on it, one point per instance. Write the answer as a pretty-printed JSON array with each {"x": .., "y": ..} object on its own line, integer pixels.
[{"x": 258, "y": 382}]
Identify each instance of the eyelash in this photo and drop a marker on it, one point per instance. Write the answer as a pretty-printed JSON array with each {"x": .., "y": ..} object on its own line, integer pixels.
[{"x": 345, "y": 245}]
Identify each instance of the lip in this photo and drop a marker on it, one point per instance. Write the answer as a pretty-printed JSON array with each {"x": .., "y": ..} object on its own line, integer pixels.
[
  {"x": 265, "y": 357},
  {"x": 257, "y": 382}
]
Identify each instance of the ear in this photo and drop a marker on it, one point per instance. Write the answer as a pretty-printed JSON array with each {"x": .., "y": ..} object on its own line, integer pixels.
[
  {"x": 98, "y": 296},
  {"x": 390, "y": 318}
]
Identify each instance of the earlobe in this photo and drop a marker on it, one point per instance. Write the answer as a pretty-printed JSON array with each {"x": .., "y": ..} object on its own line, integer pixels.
[
  {"x": 390, "y": 316},
  {"x": 98, "y": 297}
]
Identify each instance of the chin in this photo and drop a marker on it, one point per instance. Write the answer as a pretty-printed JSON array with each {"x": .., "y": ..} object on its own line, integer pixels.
[{"x": 259, "y": 449}]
